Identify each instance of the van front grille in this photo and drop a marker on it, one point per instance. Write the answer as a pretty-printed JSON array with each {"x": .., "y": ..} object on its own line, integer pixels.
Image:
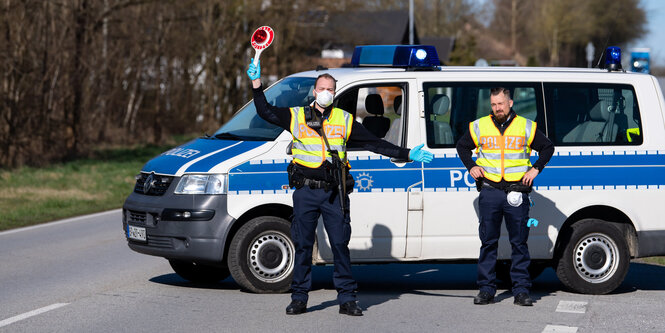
[
  {"x": 135, "y": 217},
  {"x": 152, "y": 184}
]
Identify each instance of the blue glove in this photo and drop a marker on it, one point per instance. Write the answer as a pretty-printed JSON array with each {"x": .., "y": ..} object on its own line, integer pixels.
[
  {"x": 254, "y": 72},
  {"x": 419, "y": 155},
  {"x": 532, "y": 223}
]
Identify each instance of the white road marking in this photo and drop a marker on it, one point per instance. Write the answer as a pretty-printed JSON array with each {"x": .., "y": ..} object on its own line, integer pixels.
[
  {"x": 571, "y": 307},
  {"x": 65, "y": 221},
  {"x": 559, "y": 329},
  {"x": 31, "y": 314}
]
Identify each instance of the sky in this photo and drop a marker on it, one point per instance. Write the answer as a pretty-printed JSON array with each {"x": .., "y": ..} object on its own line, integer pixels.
[{"x": 655, "y": 36}]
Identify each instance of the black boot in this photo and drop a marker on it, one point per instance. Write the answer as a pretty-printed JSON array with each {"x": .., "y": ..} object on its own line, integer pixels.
[
  {"x": 483, "y": 298},
  {"x": 350, "y": 308},
  {"x": 296, "y": 307},
  {"x": 523, "y": 299}
]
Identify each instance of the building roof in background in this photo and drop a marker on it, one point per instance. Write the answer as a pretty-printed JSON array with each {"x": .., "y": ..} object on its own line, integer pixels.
[
  {"x": 444, "y": 46},
  {"x": 345, "y": 30}
]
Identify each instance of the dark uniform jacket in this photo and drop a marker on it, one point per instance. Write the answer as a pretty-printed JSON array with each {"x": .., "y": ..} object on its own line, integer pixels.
[{"x": 281, "y": 117}]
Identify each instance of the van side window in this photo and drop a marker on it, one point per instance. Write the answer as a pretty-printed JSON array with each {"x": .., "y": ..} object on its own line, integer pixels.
[
  {"x": 450, "y": 107},
  {"x": 593, "y": 114},
  {"x": 379, "y": 108}
]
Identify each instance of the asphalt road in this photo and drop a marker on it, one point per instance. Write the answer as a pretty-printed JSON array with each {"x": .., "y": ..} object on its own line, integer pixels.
[{"x": 78, "y": 275}]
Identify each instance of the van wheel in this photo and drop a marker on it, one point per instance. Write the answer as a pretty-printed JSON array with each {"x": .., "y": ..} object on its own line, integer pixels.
[
  {"x": 595, "y": 259},
  {"x": 195, "y": 272},
  {"x": 261, "y": 255}
]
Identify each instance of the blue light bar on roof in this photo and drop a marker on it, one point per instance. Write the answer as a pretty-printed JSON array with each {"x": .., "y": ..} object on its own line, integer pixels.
[
  {"x": 395, "y": 56},
  {"x": 613, "y": 58}
]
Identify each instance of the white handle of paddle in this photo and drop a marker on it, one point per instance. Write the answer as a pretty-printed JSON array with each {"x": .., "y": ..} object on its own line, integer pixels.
[{"x": 256, "y": 56}]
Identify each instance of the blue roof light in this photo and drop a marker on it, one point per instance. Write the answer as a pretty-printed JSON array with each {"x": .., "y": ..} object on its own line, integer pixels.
[
  {"x": 421, "y": 54},
  {"x": 395, "y": 56},
  {"x": 613, "y": 58}
]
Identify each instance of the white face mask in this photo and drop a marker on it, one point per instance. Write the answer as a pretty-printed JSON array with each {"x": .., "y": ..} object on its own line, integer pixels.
[
  {"x": 324, "y": 98},
  {"x": 514, "y": 198}
]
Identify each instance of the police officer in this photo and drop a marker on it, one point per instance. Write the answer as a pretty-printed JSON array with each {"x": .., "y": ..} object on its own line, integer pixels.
[
  {"x": 315, "y": 192},
  {"x": 504, "y": 141}
]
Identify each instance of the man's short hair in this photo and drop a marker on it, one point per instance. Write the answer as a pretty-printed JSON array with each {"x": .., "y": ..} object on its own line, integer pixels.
[
  {"x": 500, "y": 90},
  {"x": 327, "y": 76}
]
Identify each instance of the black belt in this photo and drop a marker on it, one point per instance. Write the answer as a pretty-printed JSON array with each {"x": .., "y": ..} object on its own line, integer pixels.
[
  {"x": 486, "y": 184},
  {"x": 314, "y": 184},
  {"x": 517, "y": 187}
]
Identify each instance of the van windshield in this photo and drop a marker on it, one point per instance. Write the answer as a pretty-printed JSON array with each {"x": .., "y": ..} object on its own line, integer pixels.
[{"x": 247, "y": 125}]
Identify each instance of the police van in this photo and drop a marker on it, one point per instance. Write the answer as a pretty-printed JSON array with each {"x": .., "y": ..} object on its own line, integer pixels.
[{"x": 221, "y": 204}]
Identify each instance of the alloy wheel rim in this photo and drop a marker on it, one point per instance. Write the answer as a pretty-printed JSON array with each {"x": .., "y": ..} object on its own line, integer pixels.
[
  {"x": 595, "y": 258},
  {"x": 270, "y": 256}
]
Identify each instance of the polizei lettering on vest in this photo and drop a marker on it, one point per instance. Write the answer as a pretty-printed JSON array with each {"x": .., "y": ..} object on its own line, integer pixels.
[
  {"x": 509, "y": 142},
  {"x": 332, "y": 131}
]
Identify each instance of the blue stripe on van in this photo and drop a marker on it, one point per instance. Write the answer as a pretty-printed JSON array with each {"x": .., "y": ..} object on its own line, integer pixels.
[
  {"x": 209, "y": 162},
  {"x": 566, "y": 171},
  {"x": 366, "y": 181},
  {"x": 261, "y": 166},
  {"x": 447, "y": 173}
]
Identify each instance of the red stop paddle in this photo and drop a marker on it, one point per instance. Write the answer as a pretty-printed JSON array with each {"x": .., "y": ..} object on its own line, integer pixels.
[{"x": 261, "y": 39}]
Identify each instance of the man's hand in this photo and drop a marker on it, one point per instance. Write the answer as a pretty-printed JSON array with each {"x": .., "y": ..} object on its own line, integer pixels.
[
  {"x": 254, "y": 73},
  {"x": 419, "y": 155},
  {"x": 477, "y": 172},
  {"x": 529, "y": 176}
]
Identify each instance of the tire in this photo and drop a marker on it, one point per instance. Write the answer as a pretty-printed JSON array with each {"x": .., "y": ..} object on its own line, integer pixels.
[
  {"x": 595, "y": 259},
  {"x": 195, "y": 272},
  {"x": 261, "y": 255}
]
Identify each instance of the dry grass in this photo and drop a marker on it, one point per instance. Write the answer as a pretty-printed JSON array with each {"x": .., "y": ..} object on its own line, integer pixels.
[{"x": 35, "y": 195}]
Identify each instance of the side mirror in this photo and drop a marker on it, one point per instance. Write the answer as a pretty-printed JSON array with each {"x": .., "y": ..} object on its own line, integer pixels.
[{"x": 289, "y": 148}]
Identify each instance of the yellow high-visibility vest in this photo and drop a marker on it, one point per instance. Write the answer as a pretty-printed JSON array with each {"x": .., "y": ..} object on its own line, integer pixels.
[
  {"x": 503, "y": 156},
  {"x": 309, "y": 149}
]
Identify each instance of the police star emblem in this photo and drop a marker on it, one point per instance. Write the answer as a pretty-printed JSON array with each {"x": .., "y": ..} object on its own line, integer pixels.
[{"x": 364, "y": 182}]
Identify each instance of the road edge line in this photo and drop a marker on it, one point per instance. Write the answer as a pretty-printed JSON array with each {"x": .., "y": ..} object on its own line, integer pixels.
[
  {"x": 58, "y": 222},
  {"x": 32, "y": 313}
]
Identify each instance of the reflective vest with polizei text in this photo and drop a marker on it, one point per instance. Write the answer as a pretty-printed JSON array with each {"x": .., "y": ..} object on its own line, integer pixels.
[
  {"x": 309, "y": 149},
  {"x": 503, "y": 156}
]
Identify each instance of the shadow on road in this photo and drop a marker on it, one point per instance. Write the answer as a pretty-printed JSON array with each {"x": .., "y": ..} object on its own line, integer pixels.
[
  {"x": 379, "y": 284},
  {"x": 382, "y": 283},
  {"x": 642, "y": 276},
  {"x": 175, "y": 280}
]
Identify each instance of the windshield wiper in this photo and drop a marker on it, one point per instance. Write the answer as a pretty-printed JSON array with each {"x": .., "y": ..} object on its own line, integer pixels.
[{"x": 228, "y": 135}]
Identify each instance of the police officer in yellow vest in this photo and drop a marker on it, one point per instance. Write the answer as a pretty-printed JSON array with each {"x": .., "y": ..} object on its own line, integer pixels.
[
  {"x": 317, "y": 130},
  {"x": 503, "y": 142}
]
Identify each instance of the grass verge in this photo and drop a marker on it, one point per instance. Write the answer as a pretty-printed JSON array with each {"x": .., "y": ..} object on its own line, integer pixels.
[
  {"x": 35, "y": 195},
  {"x": 653, "y": 260}
]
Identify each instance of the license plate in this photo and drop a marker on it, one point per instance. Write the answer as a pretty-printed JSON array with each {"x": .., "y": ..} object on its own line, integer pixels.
[{"x": 136, "y": 233}]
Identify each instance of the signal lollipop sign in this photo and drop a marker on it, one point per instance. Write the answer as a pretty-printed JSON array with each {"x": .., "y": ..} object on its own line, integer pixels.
[{"x": 261, "y": 39}]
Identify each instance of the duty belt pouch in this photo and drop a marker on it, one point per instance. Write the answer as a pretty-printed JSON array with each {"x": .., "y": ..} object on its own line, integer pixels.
[
  {"x": 349, "y": 182},
  {"x": 479, "y": 184},
  {"x": 296, "y": 177}
]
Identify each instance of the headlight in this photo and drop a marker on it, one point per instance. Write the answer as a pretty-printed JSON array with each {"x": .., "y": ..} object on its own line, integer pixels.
[{"x": 201, "y": 184}]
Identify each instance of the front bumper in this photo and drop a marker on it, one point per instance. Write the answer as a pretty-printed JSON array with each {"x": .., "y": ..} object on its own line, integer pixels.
[{"x": 171, "y": 233}]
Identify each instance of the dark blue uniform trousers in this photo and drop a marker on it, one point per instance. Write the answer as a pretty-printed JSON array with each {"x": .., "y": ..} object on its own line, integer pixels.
[
  {"x": 494, "y": 208},
  {"x": 308, "y": 205}
]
